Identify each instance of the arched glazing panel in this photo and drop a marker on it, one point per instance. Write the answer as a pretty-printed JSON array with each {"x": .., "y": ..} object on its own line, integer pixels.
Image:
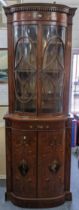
[
  {"x": 52, "y": 71},
  {"x": 25, "y": 44}
]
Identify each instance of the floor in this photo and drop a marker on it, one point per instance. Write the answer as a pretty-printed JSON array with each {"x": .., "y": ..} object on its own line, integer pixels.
[{"x": 71, "y": 205}]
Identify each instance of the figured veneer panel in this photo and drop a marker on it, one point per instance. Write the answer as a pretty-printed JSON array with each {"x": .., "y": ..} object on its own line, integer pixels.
[
  {"x": 51, "y": 151},
  {"x": 24, "y": 153}
]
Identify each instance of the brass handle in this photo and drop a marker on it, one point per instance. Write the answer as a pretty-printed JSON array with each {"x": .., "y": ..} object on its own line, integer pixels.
[
  {"x": 30, "y": 126},
  {"x": 40, "y": 126},
  {"x": 54, "y": 167},
  {"x": 47, "y": 126},
  {"x": 23, "y": 168},
  {"x": 24, "y": 137},
  {"x": 40, "y": 15}
]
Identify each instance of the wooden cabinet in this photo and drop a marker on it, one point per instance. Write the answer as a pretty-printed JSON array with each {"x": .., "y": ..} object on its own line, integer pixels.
[
  {"x": 38, "y": 160},
  {"x": 38, "y": 125}
]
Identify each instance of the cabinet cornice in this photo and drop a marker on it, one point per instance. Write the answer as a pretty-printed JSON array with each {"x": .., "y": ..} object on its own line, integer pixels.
[{"x": 39, "y": 7}]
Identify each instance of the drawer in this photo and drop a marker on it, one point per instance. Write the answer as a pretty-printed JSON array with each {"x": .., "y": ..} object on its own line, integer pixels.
[
  {"x": 38, "y": 125},
  {"x": 61, "y": 18}
]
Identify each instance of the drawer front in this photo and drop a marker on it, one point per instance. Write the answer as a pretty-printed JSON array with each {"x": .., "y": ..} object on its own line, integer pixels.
[
  {"x": 60, "y": 18},
  {"x": 38, "y": 125},
  {"x": 51, "y": 149},
  {"x": 24, "y": 163}
]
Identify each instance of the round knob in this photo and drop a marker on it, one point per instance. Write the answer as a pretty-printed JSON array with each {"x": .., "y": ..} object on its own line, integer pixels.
[
  {"x": 24, "y": 137},
  {"x": 31, "y": 126},
  {"x": 40, "y": 15}
]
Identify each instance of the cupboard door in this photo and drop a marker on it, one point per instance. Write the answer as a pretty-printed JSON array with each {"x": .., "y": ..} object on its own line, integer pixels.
[
  {"x": 24, "y": 163},
  {"x": 51, "y": 148}
]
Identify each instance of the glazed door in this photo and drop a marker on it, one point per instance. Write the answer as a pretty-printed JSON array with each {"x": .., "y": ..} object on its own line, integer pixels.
[
  {"x": 24, "y": 163},
  {"x": 51, "y": 160},
  {"x": 52, "y": 68},
  {"x": 25, "y": 67},
  {"x": 39, "y": 68}
]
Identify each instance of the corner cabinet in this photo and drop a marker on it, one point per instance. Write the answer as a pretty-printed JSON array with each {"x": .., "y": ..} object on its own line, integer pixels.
[{"x": 38, "y": 125}]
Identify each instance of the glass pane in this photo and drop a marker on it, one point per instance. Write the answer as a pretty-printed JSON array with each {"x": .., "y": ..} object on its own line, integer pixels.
[
  {"x": 25, "y": 43},
  {"x": 52, "y": 72}
]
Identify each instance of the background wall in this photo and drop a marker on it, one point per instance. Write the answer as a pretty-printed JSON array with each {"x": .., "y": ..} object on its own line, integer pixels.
[
  {"x": 3, "y": 44},
  {"x": 3, "y": 38}
]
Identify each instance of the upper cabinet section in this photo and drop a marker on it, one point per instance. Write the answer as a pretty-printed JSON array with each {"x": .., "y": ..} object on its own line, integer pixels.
[{"x": 39, "y": 52}]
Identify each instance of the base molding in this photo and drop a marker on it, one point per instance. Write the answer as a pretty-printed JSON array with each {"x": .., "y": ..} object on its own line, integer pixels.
[
  {"x": 68, "y": 196},
  {"x": 38, "y": 202}
]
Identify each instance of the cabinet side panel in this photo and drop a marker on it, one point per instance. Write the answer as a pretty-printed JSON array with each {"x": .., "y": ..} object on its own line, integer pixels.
[
  {"x": 10, "y": 67},
  {"x": 67, "y": 68},
  {"x": 8, "y": 161},
  {"x": 67, "y": 159}
]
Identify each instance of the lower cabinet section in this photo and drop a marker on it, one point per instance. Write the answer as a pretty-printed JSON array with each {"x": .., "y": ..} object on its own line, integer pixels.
[{"x": 36, "y": 163}]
